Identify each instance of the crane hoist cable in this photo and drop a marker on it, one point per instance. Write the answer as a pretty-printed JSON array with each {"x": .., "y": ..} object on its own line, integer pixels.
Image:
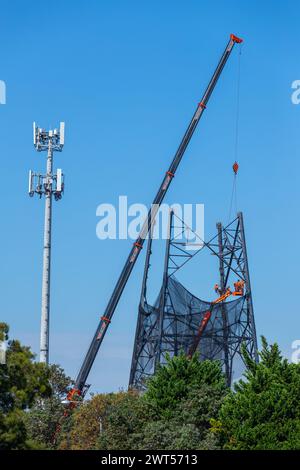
[
  {"x": 237, "y": 114},
  {"x": 234, "y": 199}
]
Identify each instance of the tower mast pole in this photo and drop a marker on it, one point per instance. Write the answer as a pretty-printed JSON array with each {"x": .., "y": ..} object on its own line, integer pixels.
[{"x": 44, "y": 341}]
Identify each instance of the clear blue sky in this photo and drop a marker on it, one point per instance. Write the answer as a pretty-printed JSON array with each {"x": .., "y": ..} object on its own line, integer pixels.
[{"x": 125, "y": 76}]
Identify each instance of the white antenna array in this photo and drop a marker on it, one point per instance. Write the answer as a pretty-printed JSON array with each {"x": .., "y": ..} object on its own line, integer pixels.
[{"x": 41, "y": 138}]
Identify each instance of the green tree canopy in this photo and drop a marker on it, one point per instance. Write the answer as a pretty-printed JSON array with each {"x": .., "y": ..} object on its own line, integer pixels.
[
  {"x": 105, "y": 421},
  {"x": 178, "y": 380},
  {"x": 46, "y": 415},
  {"x": 174, "y": 412},
  {"x": 21, "y": 381},
  {"x": 264, "y": 410}
]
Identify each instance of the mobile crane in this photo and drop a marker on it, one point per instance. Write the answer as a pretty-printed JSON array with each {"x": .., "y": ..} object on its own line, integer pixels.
[{"x": 80, "y": 383}]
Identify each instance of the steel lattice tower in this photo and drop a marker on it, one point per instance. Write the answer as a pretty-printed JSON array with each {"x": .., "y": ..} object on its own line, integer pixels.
[{"x": 170, "y": 325}]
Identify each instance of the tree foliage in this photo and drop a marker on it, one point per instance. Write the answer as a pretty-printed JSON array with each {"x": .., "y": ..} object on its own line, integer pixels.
[
  {"x": 186, "y": 406},
  {"x": 45, "y": 416},
  {"x": 21, "y": 381},
  {"x": 124, "y": 422},
  {"x": 174, "y": 412},
  {"x": 264, "y": 410},
  {"x": 178, "y": 380},
  {"x": 105, "y": 421}
]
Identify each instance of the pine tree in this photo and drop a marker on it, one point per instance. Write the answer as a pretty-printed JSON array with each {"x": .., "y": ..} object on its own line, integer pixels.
[{"x": 264, "y": 410}]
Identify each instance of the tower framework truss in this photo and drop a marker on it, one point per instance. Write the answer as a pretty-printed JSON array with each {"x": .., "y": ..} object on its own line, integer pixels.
[{"x": 173, "y": 323}]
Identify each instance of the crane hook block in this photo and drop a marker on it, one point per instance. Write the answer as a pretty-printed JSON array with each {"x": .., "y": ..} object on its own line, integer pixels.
[
  {"x": 235, "y": 167},
  {"x": 236, "y": 39}
]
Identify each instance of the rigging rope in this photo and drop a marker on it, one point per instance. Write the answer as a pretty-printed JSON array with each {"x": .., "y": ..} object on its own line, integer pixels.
[{"x": 237, "y": 119}]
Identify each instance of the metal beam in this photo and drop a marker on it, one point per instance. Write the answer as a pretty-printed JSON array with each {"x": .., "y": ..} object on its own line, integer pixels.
[
  {"x": 248, "y": 286},
  {"x": 223, "y": 287}
]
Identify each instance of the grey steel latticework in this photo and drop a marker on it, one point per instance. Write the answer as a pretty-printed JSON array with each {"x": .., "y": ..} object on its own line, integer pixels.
[{"x": 171, "y": 324}]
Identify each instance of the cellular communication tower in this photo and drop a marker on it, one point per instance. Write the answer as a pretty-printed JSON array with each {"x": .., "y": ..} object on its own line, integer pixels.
[{"x": 48, "y": 185}]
